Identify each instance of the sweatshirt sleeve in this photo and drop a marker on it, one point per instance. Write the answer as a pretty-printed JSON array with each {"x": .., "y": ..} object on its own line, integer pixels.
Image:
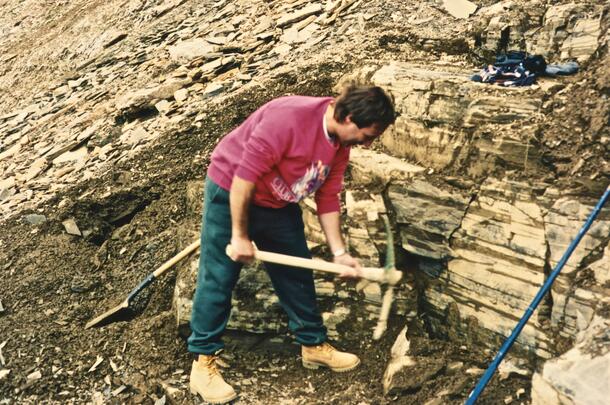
[
  {"x": 263, "y": 149},
  {"x": 327, "y": 196}
]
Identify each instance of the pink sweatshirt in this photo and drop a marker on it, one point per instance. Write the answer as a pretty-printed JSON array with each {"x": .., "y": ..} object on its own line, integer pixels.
[{"x": 283, "y": 148}]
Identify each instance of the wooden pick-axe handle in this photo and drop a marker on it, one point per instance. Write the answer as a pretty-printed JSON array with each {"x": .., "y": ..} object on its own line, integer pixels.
[{"x": 369, "y": 273}]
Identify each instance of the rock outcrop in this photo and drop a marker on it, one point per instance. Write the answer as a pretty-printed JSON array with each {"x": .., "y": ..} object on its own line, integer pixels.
[{"x": 579, "y": 376}]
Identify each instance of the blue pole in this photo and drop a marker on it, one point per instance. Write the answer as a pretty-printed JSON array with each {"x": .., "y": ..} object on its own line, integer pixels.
[{"x": 474, "y": 395}]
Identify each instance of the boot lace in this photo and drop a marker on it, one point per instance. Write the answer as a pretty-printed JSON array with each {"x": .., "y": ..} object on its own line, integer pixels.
[
  {"x": 210, "y": 365},
  {"x": 326, "y": 347}
]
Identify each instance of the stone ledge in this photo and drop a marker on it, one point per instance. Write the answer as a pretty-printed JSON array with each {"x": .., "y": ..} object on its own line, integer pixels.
[{"x": 445, "y": 115}]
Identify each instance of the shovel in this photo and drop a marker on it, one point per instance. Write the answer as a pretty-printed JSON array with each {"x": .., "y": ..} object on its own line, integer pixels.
[{"x": 127, "y": 309}]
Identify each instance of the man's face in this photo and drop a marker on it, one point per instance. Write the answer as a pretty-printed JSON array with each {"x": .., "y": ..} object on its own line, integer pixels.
[{"x": 349, "y": 134}]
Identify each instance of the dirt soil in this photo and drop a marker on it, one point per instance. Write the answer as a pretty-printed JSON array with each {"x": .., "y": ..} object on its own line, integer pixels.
[{"x": 136, "y": 217}]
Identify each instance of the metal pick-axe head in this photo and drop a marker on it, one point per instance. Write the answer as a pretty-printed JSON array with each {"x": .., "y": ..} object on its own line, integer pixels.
[{"x": 392, "y": 277}]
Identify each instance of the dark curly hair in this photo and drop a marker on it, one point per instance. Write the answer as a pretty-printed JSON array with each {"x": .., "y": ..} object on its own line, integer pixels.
[{"x": 366, "y": 105}]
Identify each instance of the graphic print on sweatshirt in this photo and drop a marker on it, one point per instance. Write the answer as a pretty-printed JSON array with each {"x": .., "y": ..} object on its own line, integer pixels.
[{"x": 312, "y": 180}]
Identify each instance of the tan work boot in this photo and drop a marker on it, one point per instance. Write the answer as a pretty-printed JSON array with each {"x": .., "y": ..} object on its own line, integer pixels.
[
  {"x": 207, "y": 381},
  {"x": 327, "y": 356}
]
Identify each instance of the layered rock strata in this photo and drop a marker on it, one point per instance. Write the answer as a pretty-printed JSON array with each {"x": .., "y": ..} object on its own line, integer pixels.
[{"x": 488, "y": 246}]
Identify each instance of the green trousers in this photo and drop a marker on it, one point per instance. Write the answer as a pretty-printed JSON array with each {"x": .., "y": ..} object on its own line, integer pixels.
[{"x": 275, "y": 230}]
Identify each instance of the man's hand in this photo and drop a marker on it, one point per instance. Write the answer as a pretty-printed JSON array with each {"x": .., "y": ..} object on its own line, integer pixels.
[
  {"x": 240, "y": 198},
  {"x": 348, "y": 260},
  {"x": 242, "y": 250}
]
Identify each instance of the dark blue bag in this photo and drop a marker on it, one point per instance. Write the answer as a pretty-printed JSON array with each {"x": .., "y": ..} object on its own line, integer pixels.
[
  {"x": 535, "y": 64},
  {"x": 511, "y": 59}
]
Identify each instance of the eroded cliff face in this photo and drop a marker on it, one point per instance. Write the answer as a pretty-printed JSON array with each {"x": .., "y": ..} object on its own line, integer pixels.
[
  {"x": 498, "y": 200},
  {"x": 110, "y": 112},
  {"x": 490, "y": 234}
]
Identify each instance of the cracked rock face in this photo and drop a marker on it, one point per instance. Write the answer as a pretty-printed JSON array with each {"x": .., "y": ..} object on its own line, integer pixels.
[{"x": 490, "y": 245}]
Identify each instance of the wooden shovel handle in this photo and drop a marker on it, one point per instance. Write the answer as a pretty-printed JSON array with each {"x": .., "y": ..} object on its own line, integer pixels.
[{"x": 185, "y": 252}]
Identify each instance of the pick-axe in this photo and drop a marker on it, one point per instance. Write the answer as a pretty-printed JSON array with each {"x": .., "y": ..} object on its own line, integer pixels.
[
  {"x": 388, "y": 276},
  {"x": 388, "y": 296},
  {"x": 369, "y": 273}
]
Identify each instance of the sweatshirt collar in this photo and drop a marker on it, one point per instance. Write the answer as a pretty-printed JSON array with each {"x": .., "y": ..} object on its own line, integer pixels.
[{"x": 330, "y": 138}]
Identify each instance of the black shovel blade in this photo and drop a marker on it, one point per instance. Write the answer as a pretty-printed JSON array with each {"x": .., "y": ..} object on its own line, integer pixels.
[
  {"x": 127, "y": 310},
  {"x": 121, "y": 312}
]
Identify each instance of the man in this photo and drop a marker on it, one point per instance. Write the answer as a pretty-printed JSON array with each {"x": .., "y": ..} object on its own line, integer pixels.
[{"x": 290, "y": 147}]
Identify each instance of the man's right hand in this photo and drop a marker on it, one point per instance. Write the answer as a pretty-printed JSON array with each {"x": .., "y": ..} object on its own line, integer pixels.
[
  {"x": 242, "y": 250},
  {"x": 347, "y": 260},
  {"x": 241, "y": 194}
]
